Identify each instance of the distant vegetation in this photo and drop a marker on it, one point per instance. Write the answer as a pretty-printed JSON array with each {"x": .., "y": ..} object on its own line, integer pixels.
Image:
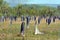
[{"x": 32, "y": 9}]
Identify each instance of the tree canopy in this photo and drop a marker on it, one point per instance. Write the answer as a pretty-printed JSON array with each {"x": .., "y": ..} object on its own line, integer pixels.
[{"x": 26, "y": 9}]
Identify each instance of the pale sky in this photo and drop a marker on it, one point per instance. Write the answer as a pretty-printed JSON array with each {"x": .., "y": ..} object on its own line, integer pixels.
[{"x": 15, "y": 2}]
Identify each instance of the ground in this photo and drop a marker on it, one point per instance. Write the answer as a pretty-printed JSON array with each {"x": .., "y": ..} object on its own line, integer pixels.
[{"x": 11, "y": 32}]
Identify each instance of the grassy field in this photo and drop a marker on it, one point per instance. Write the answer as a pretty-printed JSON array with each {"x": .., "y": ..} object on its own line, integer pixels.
[{"x": 10, "y": 32}]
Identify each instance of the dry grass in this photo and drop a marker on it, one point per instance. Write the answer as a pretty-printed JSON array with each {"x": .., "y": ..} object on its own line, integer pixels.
[{"x": 11, "y": 32}]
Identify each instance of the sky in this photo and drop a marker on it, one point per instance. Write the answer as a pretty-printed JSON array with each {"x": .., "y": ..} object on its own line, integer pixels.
[{"x": 15, "y": 2}]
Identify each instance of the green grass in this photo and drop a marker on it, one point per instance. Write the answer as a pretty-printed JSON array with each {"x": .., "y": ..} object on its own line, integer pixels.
[{"x": 10, "y": 32}]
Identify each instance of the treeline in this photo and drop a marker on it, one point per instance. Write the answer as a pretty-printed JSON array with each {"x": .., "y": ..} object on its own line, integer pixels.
[{"x": 31, "y": 10}]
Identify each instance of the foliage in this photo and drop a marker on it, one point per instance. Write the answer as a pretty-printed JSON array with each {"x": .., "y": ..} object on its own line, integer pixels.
[{"x": 26, "y": 9}]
